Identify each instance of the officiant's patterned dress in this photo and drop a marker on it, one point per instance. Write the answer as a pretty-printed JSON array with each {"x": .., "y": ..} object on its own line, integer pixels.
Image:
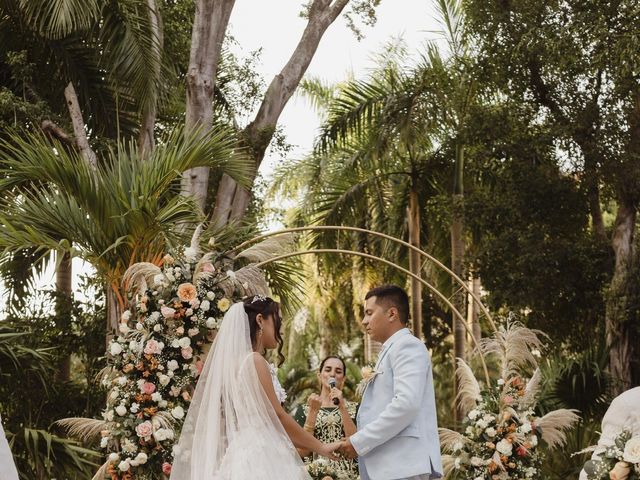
[{"x": 329, "y": 429}]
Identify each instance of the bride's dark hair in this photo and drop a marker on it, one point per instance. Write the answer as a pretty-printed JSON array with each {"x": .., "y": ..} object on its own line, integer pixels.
[{"x": 267, "y": 307}]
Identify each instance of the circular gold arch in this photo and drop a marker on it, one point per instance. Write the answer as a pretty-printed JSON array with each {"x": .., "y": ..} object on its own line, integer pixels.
[
  {"x": 454, "y": 310},
  {"x": 437, "y": 262}
]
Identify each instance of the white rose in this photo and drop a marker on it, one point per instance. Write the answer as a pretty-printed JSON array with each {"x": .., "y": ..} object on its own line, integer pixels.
[
  {"x": 504, "y": 447},
  {"x": 190, "y": 254},
  {"x": 211, "y": 295},
  {"x": 473, "y": 414},
  {"x": 477, "y": 461},
  {"x": 155, "y": 316},
  {"x": 491, "y": 432},
  {"x": 157, "y": 327},
  {"x": 500, "y": 381},
  {"x": 211, "y": 322},
  {"x": 164, "y": 380},
  {"x": 172, "y": 365},
  {"x": 122, "y": 381},
  {"x": 177, "y": 412},
  {"x": 533, "y": 440},
  {"x": 632, "y": 450},
  {"x": 115, "y": 349},
  {"x": 525, "y": 428},
  {"x": 184, "y": 342},
  {"x": 162, "y": 403},
  {"x": 134, "y": 408},
  {"x": 205, "y": 305},
  {"x": 124, "y": 465},
  {"x": 139, "y": 326},
  {"x": 481, "y": 424},
  {"x": 121, "y": 410},
  {"x": 114, "y": 457},
  {"x": 159, "y": 279},
  {"x": 109, "y": 416},
  {"x": 156, "y": 396},
  {"x": 175, "y": 343},
  {"x": 141, "y": 458},
  {"x": 188, "y": 312},
  {"x": 126, "y": 315},
  {"x": 123, "y": 328},
  {"x": 192, "y": 332}
]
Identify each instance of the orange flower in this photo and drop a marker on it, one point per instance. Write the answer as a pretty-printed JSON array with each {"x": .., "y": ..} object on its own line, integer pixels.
[{"x": 187, "y": 292}]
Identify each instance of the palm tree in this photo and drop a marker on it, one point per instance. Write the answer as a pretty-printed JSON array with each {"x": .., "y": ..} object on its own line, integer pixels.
[{"x": 128, "y": 209}]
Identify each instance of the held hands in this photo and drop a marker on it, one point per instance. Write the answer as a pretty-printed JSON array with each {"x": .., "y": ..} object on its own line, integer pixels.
[
  {"x": 346, "y": 449},
  {"x": 328, "y": 450}
]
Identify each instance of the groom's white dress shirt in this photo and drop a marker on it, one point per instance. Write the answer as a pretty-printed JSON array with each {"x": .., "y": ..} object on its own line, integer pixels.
[
  {"x": 623, "y": 413},
  {"x": 397, "y": 435}
]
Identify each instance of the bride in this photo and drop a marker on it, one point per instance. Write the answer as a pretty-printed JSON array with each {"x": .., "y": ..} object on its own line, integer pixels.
[{"x": 236, "y": 428}]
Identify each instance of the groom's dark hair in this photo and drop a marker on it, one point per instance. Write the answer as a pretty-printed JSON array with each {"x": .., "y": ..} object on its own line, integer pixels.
[{"x": 392, "y": 296}]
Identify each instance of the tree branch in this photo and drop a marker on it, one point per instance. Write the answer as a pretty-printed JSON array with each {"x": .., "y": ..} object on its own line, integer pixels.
[{"x": 78, "y": 126}]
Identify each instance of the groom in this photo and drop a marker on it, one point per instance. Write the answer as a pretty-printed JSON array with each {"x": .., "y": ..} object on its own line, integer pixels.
[{"x": 397, "y": 435}]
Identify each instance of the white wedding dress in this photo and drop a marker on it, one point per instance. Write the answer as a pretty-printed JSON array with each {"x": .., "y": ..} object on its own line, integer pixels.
[{"x": 231, "y": 431}]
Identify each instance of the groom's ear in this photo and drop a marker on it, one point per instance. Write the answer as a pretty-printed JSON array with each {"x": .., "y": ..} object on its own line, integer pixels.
[{"x": 393, "y": 313}]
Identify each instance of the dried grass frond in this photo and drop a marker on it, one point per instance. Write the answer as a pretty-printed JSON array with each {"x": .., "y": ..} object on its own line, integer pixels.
[
  {"x": 532, "y": 389},
  {"x": 469, "y": 393},
  {"x": 195, "y": 238},
  {"x": 139, "y": 275},
  {"x": 554, "y": 425},
  {"x": 101, "y": 474},
  {"x": 269, "y": 248},
  {"x": 165, "y": 420},
  {"x": 448, "y": 465},
  {"x": 86, "y": 430},
  {"x": 448, "y": 438},
  {"x": 513, "y": 344}
]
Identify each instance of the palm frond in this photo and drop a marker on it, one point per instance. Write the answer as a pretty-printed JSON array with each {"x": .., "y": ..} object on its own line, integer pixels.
[
  {"x": 86, "y": 430},
  {"x": 554, "y": 425},
  {"x": 469, "y": 393},
  {"x": 268, "y": 248}
]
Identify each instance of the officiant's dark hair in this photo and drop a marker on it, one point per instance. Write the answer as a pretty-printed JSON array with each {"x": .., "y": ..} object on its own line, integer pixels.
[
  {"x": 266, "y": 306},
  {"x": 392, "y": 296},
  {"x": 344, "y": 365}
]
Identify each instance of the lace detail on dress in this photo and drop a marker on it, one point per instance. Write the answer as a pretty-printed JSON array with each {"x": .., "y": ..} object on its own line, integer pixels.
[{"x": 281, "y": 394}]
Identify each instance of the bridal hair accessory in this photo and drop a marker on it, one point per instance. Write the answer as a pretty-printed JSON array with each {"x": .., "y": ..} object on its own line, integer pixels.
[{"x": 259, "y": 298}]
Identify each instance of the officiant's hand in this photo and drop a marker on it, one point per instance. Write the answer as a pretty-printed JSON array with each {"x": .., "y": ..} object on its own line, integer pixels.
[
  {"x": 328, "y": 450},
  {"x": 346, "y": 449}
]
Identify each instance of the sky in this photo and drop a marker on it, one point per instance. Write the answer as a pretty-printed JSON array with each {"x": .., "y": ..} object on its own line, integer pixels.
[{"x": 275, "y": 27}]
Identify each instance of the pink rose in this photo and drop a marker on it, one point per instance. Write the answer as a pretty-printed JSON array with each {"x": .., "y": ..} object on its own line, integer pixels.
[
  {"x": 145, "y": 429},
  {"x": 166, "y": 468},
  {"x": 148, "y": 388},
  {"x": 208, "y": 267},
  {"x": 187, "y": 353},
  {"x": 152, "y": 347},
  {"x": 167, "y": 312},
  {"x": 180, "y": 330},
  {"x": 199, "y": 367},
  {"x": 508, "y": 400}
]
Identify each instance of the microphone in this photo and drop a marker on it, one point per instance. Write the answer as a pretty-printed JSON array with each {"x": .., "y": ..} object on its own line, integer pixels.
[{"x": 332, "y": 384}]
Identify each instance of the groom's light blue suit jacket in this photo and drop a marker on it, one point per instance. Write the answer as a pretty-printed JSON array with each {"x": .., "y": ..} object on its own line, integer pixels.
[{"x": 397, "y": 433}]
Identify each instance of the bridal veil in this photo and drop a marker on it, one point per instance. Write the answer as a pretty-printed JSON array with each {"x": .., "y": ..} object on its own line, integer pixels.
[{"x": 231, "y": 431}]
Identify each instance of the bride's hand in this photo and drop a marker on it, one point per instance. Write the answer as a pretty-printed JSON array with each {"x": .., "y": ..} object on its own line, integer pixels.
[{"x": 328, "y": 449}]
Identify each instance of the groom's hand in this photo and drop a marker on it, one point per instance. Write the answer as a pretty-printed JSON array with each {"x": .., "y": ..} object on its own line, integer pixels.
[{"x": 347, "y": 450}]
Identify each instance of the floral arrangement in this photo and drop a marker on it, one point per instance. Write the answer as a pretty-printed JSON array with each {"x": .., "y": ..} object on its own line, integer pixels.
[
  {"x": 620, "y": 461},
  {"x": 321, "y": 469},
  {"x": 155, "y": 359},
  {"x": 502, "y": 433},
  {"x": 368, "y": 373}
]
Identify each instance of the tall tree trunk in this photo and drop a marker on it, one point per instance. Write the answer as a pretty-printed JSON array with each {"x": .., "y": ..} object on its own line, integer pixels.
[
  {"x": 457, "y": 257},
  {"x": 209, "y": 28},
  {"x": 79, "y": 126},
  {"x": 413, "y": 217},
  {"x": 618, "y": 298},
  {"x": 64, "y": 293},
  {"x": 475, "y": 310},
  {"x": 114, "y": 311},
  {"x": 231, "y": 199},
  {"x": 146, "y": 140}
]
